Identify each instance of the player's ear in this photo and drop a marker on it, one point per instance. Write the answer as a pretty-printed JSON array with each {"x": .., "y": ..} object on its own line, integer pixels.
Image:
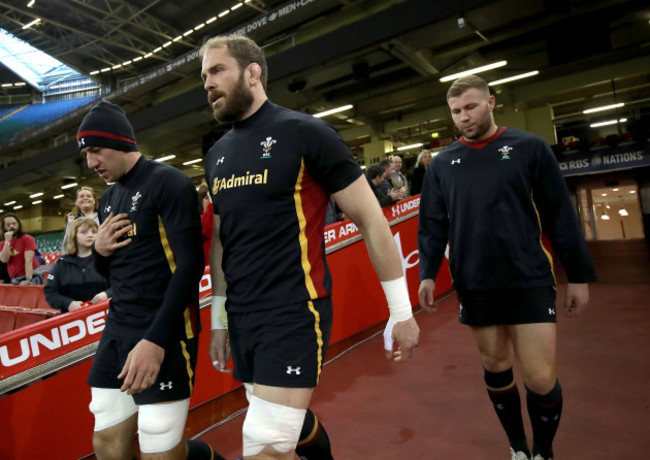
[{"x": 255, "y": 72}]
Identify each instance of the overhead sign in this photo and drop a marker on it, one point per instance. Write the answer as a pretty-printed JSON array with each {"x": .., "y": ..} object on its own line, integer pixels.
[{"x": 610, "y": 160}]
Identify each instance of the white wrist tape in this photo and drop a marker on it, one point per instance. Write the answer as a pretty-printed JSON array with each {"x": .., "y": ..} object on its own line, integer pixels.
[
  {"x": 219, "y": 318},
  {"x": 397, "y": 295},
  {"x": 388, "y": 335}
]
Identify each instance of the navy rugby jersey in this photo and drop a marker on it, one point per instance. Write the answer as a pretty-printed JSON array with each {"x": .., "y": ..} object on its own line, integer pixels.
[
  {"x": 491, "y": 200},
  {"x": 270, "y": 179},
  {"x": 151, "y": 298}
]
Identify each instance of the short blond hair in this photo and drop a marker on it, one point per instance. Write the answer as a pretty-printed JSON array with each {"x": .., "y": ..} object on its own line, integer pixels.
[
  {"x": 243, "y": 49},
  {"x": 461, "y": 85}
]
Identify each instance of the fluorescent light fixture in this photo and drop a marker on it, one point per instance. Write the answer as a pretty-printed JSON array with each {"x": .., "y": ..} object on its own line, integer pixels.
[
  {"x": 484, "y": 68},
  {"x": 333, "y": 111},
  {"x": 175, "y": 39},
  {"x": 10, "y": 203},
  {"x": 604, "y": 217},
  {"x": 20, "y": 206},
  {"x": 410, "y": 146},
  {"x": 191, "y": 31},
  {"x": 94, "y": 72},
  {"x": 168, "y": 157},
  {"x": 604, "y": 107},
  {"x": 56, "y": 197},
  {"x": 166, "y": 44},
  {"x": 623, "y": 212},
  {"x": 513, "y": 78},
  {"x": 223, "y": 13},
  {"x": 31, "y": 3},
  {"x": 36, "y": 195},
  {"x": 363, "y": 166},
  {"x": 2, "y": 210},
  {"x": 37, "y": 202},
  {"x": 211, "y": 20},
  {"x": 632, "y": 191},
  {"x": 105, "y": 69},
  {"x": 234, "y": 7},
  {"x": 157, "y": 49},
  {"x": 200, "y": 26},
  {"x": 193, "y": 161},
  {"x": 70, "y": 185},
  {"x": 20, "y": 83},
  {"x": 34, "y": 22},
  {"x": 126, "y": 62},
  {"x": 607, "y": 123}
]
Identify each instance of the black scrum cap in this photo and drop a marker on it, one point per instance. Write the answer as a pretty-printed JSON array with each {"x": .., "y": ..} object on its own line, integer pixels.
[{"x": 106, "y": 125}]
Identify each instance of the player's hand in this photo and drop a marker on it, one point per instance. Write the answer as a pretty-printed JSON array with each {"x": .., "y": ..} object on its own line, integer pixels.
[
  {"x": 220, "y": 349},
  {"x": 406, "y": 334},
  {"x": 141, "y": 367},
  {"x": 99, "y": 297},
  {"x": 111, "y": 234},
  {"x": 577, "y": 298},
  {"x": 425, "y": 293}
]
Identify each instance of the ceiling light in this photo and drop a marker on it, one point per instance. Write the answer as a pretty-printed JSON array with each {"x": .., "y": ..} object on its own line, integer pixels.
[
  {"x": 632, "y": 191},
  {"x": 20, "y": 206},
  {"x": 410, "y": 146},
  {"x": 615, "y": 189},
  {"x": 200, "y": 26},
  {"x": 10, "y": 203},
  {"x": 607, "y": 123},
  {"x": 234, "y": 7},
  {"x": 70, "y": 185},
  {"x": 168, "y": 157},
  {"x": 37, "y": 202},
  {"x": 36, "y": 195},
  {"x": 211, "y": 20},
  {"x": 604, "y": 107},
  {"x": 34, "y": 22},
  {"x": 623, "y": 212},
  {"x": 31, "y": 3},
  {"x": 476, "y": 70},
  {"x": 56, "y": 197},
  {"x": 193, "y": 161},
  {"x": 223, "y": 13},
  {"x": 333, "y": 111},
  {"x": 603, "y": 194},
  {"x": 514, "y": 77}
]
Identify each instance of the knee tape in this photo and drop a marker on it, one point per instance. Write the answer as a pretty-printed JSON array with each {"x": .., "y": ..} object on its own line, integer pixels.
[
  {"x": 110, "y": 407},
  {"x": 270, "y": 424},
  {"x": 161, "y": 426}
]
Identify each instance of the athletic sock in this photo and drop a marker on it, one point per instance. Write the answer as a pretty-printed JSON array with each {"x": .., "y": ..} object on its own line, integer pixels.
[
  {"x": 504, "y": 395},
  {"x": 545, "y": 412},
  {"x": 314, "y": 444},
  {"x": 199, "y": 450}
]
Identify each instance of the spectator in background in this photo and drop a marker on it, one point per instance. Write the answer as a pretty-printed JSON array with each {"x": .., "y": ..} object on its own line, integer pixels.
[
  {"x": 386, "y": 185},
  {"x": 207, "y": 218},
  {"x": 398, "y": 179},
  {"x": 18, "y": 252},
  {"x": 417, "y": 176},
  {"x": 85, "y": 205},
  {"x": 375, "y": 176},
  {"x": 73, "y": 280}
]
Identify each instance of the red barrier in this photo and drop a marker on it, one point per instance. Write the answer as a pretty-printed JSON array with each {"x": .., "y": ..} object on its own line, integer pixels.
[{"x": 358, "y": 302}]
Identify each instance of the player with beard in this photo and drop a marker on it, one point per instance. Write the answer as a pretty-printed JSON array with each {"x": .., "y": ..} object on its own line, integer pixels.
[
  {"x": 271, "y": 177},
  {"x": 490, "y": 195}
]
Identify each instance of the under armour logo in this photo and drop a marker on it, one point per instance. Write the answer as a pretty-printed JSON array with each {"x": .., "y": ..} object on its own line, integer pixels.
[
  {"x": 166, "y": 386},
  {"x": 107, "y": 208},
  {"x": 219, "y": 161},
  {"x": 81, "y": 142},
  {"x": 551, "y": 311},
  {"x": 291, "y": 370},
  {"x": 455, "y": 161}
]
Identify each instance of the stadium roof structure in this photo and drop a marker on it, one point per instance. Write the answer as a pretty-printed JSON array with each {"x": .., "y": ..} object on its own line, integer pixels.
[{"x": 384, "y": 57}]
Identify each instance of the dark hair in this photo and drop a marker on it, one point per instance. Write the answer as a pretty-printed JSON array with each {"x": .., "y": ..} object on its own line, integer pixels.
[
  {"x": 374, "y": 171},
  {"x": 461, "y": 85},
  {"x": 385, "y": 163},
  {"x": 19, "y": 233},
  {"x": 243, "y": 49}
]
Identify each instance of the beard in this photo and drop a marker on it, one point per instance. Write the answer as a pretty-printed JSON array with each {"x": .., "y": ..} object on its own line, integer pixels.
[
  {"x": 480, "y": 128},
  {"x": 236, "y": 105}
]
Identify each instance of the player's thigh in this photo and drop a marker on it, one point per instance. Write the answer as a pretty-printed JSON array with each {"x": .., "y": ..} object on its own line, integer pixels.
[
  {"x": 298, "y": 398},
  {"x": 535, "y": 347},
  {"x": 494, "y": 345}
]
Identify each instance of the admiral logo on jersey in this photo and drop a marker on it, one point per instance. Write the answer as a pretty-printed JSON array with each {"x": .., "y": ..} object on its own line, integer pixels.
[{"x": 239, "y": 181}]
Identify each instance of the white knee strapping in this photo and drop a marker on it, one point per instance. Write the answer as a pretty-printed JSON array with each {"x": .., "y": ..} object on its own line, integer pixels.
[
  {"x": 270, "y": 424},
  {"x": 161, "y": 426},
  {"x": 110, "y": 407},
  {"x": 249, "y": 391}
]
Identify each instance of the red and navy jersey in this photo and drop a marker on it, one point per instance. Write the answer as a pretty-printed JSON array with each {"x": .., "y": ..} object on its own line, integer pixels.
[
  {"x": 155, "y": 278},
  {"x": 491, "y": 200},
  {"x": 270, "y": 178}
]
